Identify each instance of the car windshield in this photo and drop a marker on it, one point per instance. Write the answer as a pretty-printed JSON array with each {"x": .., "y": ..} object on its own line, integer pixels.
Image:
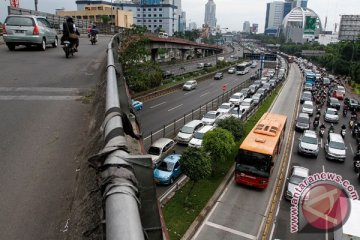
[
  {"x": 245, "y": 90},
  {"x": 307, "y": 106},
  {"x": 186, "y": 129},
  {"x": 19, "y": 21},
  {"x": 199, "y": 135},
  {"x": 224, "y": 107},
  {"x": 309, "y": 140},
  {"x": 254, "y": 163},
  {"x": 256, "y": 96},
  {"x": 303, "y": 120},
  {"x": 154, "y": 151},
  {"x": 235, "y": 96},
  {"x": 210, "y": 116},
  {"x": 166, "y": 166},
  {"x": 331, "y": 112},
  {"x": 334, "y": 101},
  {"x": 296, "y": 179},
  {"x": 188, "y": 83},
  {"x": 245, "y": 104},
  {"x": 306, "y": 95},
  {"x": 337, "y": 145}
]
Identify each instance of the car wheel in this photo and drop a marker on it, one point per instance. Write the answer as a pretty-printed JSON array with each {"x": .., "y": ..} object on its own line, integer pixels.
[
  {"x": 55, "y": 43},
  {"x": 11, "y": 46},
  {"x": 43, "y": 45}
]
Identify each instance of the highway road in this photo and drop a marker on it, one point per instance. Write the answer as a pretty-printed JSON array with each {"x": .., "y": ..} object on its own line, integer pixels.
[
  {"x": 43, "y": 127},
  {"x": 239, "y": 212},
  {"x": 320, "y": 164}
]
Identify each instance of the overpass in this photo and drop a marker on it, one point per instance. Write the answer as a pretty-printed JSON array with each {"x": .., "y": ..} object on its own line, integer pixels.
[{"x": 187, "y": 48}]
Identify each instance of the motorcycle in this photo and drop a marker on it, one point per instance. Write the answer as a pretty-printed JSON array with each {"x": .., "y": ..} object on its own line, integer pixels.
[
  {"x": 343, "y": 132},
  {"x": 321, "y": 132},
  {"x": 93, "y": 39},
  {"x": 316, "y": 124},
  {"x": 68, "y": 49},
  {"x": 356, "y": 166}
]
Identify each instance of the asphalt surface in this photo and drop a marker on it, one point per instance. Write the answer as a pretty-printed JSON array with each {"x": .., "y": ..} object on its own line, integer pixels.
[
  {"x": 319, "y": 164},
  {"x": 240, "y": 211},
  {"x": 43, "y": 127}
]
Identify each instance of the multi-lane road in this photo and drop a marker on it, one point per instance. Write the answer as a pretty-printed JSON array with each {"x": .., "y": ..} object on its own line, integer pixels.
[{"x": 43, "y": 127}]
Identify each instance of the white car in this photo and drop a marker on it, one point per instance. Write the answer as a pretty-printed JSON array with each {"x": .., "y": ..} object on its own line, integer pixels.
[
  {"x": 309, "y": 144},
  {"x": 210, "y": 117},
  {"x": 308, "y": 107},
  {"x": 196, "y": 141},
  {"x": 237, "y": 98},
  {"x": 296, "y": 176},
  {"x": 160, "y": 148},
  {"x": 225, "y": 108},
  {"x": 247, "y": 105},
  {"x": 340, "y": 89},
  {"x": 231, "y": 70},
  {"x": 236, "y": 113},
  {"x": 187, "y": 131},
  {"x": 331, "y": 115},
  {"x": 189, "y": 85}
]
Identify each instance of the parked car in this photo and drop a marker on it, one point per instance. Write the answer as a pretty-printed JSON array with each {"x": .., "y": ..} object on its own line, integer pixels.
[
  {"x": 231, "y": 70},
  {"x": 257, "y": 97},
  {"x": 296, "y": 176},
  {"x": 302, "y": 122},
  {"x": 190, "y": 85},
  {"x": 309, "y": 144},
  {"x": 335, "y": 147},
  {"x": 306, "y": 96},
  {"x": 187, "y": 131},
  {"x": 225, "y": 108},
  {"x": 160, "y": 148},
  {"x": 333, "y": 103},
  {"x": 210, "y": 117},
  {"x": 331, "y": 115},
  {"x": 137, "y": 105},
  {"x": 218, "y": 76},
  {"x": 28, "y": 30},
  {"x": 196, "y": 141},
  {"x": 168, "y": 170},
  {"x": 237, "y": 98},
  {"x": 308, "y": 107}
]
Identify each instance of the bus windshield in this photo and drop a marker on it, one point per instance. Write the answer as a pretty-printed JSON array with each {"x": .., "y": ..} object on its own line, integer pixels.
[
  {"x": 253, "y": 163},
  {"x": 241, "y": 67}
]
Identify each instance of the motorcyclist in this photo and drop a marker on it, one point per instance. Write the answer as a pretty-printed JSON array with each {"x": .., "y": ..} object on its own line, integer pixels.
[
  {"x": 68, "y": 28},
  {"x": 343, "y": 127},
  {"x": 322, "y": 126},
  {"x": 316, "y": 123},
  {"x": 94, "y": 31},
  {"x": 331, "y": 129}
]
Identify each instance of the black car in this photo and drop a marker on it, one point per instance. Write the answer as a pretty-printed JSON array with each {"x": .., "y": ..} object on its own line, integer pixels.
[
  {"x": 352, "y": 103},
  {"x": 333, "y": 102},
  {"x": 218, "y": 76},
  {"x": 207, "y": 64}
]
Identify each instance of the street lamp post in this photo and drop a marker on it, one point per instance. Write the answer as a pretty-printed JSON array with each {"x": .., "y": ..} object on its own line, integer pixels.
[{"x": 36, "y": 3}]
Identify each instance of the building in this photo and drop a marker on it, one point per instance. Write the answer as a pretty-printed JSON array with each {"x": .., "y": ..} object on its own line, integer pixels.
[
  {"x": 349, "y": 27},
  {"x": 210, "y": 14},
  {"x": 301, "y": 3},
  {"x": 274, "y": 17},
  {"x": 155, "y": 15},
  {"x": 254, "y": 28},
  {"x": 246, "y": 27},
  {"x": 301, "y": 25},
  {"x": 327, "y": 38},
  {"x": 98, "y": 13},
  {"x": 192, "y": 26},
  {"x": 182, "y": 22}
]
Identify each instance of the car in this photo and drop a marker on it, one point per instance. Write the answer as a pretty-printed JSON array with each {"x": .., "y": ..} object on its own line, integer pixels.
[
  {"x": 160, "y": 148},
  {"x": 257, "y": 98},
  {"x": 218, "y": 76},
  {"x": 168, "y": 170},
  {"x": 258, "y": 83},
  {"x": 231, "y": 70},
  {"x": 335, "y": 147},
  {"x": 235, "y": 112},
  {"x": 253, "y": 88},
  {"x": 306, "y": 96},
  {"x": 333, "y": 103},
  {"x": 246, "y": 92},
  {"x": 167, "y": 74},
  {"x": 210, "y": 117},
  {"x": 208, "y": 64},
  {"x": 338, "y": 94},
  {"x": 272, "y": 82},
  {"x": 237, "y": 98},
  {"x": 262, "y": 91},
  {"x": 353, "y": 105},
  {"x": 308, "y": 87},
  {"x": 28, "y": 30},
  {"x": 190, "y": 85},
  {"x": 296, "y": 176},
  {"x": 137, "y": 105},
  {"x": 254, "y": 64},
  {"x": 308, "y": 107},
  {"x": 331, "y": 115},
  {"x": 247, "y": 105},
  {"x": 187, "y": 131},
  {"x": 200, "y": 65},
  {"x": 341, "y": 89},
  {"x": 267, "y": 86},
  {"x": 271, "y": 73},
  {"x": 196, "y": 141},
  {"x": 326, "y": 81},
  {"x": 264, "y": 80},
  {"x": 302, "y": 122},
  {"x": 309, "y": 144},
  {"x": 225, "y": 108}
]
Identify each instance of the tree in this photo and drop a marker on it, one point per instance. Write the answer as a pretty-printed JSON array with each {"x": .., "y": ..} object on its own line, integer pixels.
[
  {"x": 105, "y": 19},
  {"x": 234, "y": 126},
  {"x": 219, "y": 143},
  {"x": 195, "y": 164}
]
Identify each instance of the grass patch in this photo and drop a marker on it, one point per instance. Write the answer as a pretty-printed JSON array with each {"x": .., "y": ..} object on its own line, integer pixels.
[
  {"x": 177, "y": 216},
  {"x": 356, "y": 87}
]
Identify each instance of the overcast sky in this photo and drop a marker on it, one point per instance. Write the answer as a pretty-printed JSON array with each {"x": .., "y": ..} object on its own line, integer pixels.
[{"x": 229, "y": 13}]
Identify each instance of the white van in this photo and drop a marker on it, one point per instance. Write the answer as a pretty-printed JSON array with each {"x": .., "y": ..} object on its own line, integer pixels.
[
  {"x": 197, "y": 139},
  {"x": 163, "y": 35}
]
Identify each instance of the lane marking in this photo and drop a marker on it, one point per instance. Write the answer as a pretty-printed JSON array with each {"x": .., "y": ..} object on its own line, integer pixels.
[
  {"x": 323, "y": 167},
  {"x": 233, "y": 231},
  {"x": 352, "y": 150},
  {"x": 157, "y": 105},
  {"x": 321, "y": 143},
  {"x": 188, "y": 93},
  {"x": 175, "y": 107},
  {"x": 39, "y": 98},
  {"x": 204, "y": 94}
]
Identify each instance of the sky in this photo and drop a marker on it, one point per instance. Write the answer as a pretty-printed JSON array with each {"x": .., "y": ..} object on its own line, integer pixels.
[{"x": 230, "y": 14}]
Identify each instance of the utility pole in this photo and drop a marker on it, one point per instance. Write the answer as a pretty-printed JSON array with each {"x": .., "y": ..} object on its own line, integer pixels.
[{"x": 36, "y": 3}]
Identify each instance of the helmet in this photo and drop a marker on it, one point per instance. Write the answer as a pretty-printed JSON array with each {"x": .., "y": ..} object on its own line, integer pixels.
[{"x": 94, "y": 26}]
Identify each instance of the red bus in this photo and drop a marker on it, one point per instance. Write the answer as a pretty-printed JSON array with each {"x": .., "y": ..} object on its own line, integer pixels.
[{"x": 259, "y": 151}]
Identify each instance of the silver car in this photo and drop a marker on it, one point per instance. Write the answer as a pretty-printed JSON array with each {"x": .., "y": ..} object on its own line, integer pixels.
[
  {"x": 309, "y": 144},
  {"x": 28, "y": 30},
  {"x": 189, "y": 85},
  {"x": 296, "y": 176},
  {"x": 335, "y": 148},
  {"x": 331, "y": 115},
  {"x": 308, "y": 107}
]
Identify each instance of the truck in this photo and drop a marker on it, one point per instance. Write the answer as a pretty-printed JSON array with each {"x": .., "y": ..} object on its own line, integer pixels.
[{"x": 350, "y": 230}]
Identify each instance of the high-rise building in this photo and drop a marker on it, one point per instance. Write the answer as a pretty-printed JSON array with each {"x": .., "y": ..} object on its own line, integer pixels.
[
  {"x": 301, "y": 3},
  {"x": 254, "y": 28},
  {"x": 210, "y": 14},
  {"x": 192, "y": 26},
  {"x": 349, "y": 27},
  {"x": 274, "y": 17},
  {"x": 246, "y": 27}
]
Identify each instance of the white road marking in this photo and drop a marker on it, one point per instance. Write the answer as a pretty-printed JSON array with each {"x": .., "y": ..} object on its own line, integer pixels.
[
  {"x": 175, "y": 107},
  {"x": 323, "y": 167},
  {"x": 39, "y": 98},
  {"x": 321, "y": 143},
  {"x": 352, "y": 150},
  {"x": 204, "y": 94},
  {"x": 214, "y": 225},
  {"x": 188, "y": 93},
  {"x": 157, "y": 105}
]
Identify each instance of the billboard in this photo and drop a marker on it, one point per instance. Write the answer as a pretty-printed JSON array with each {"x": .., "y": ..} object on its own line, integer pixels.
[{"x": 310, "y": 26}]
